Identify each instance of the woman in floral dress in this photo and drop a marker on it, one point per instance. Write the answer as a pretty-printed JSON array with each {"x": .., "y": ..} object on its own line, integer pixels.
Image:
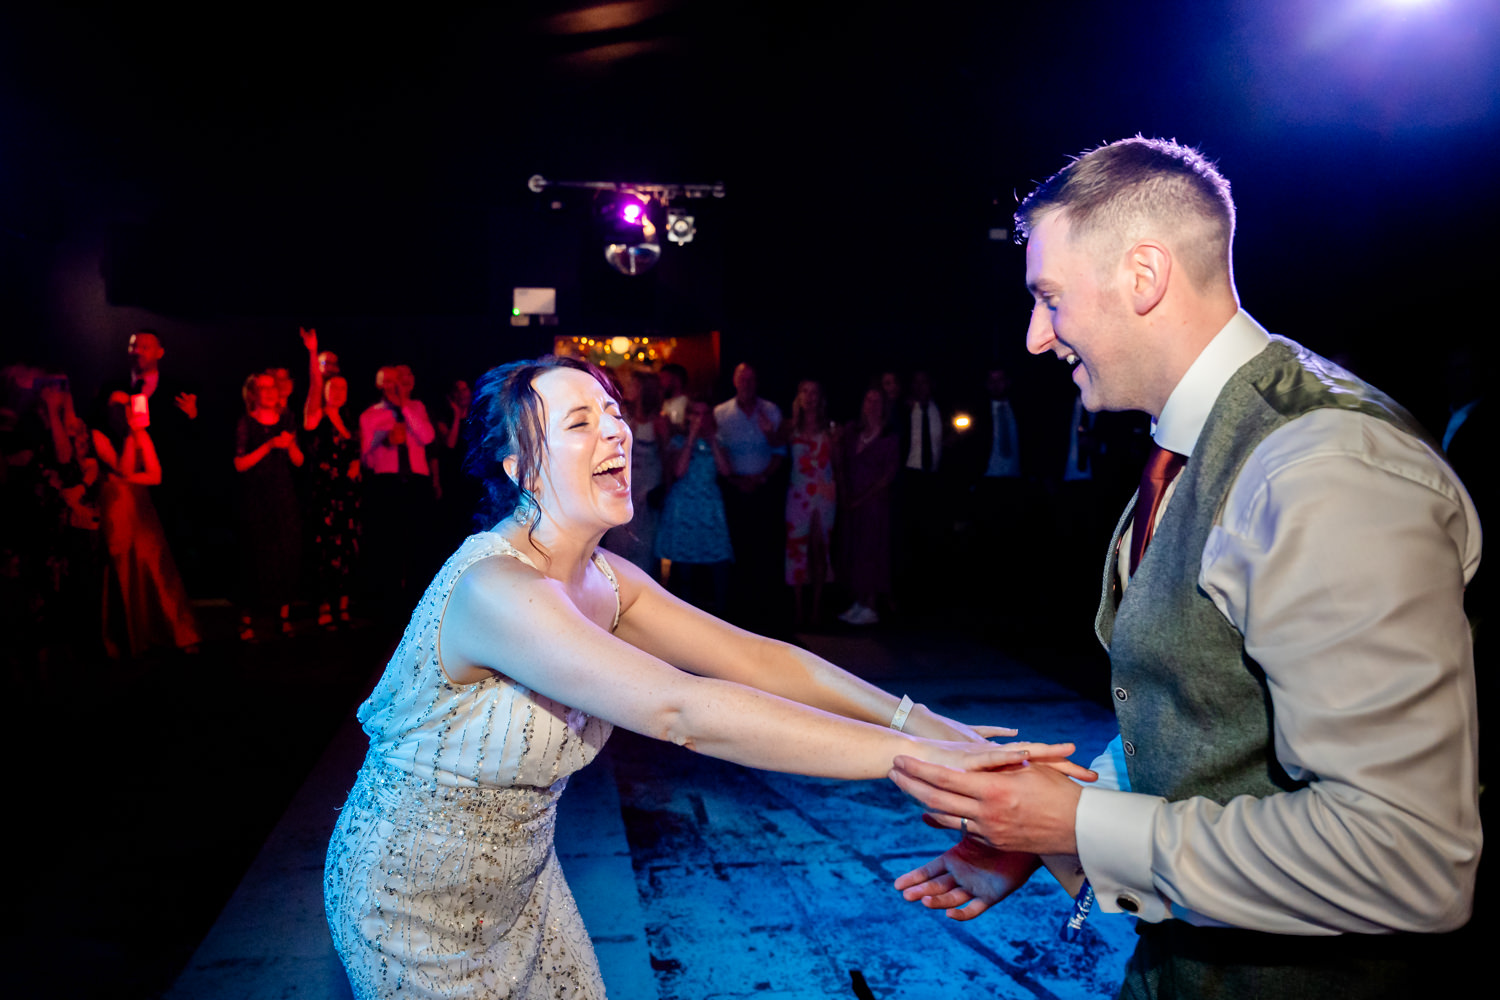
[{"x": 811, "y": 500}]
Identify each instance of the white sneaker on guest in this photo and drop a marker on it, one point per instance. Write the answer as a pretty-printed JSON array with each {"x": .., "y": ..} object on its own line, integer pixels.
[
  {"x": 854, "y": 611},
  {"x": 863, "y": 616}
]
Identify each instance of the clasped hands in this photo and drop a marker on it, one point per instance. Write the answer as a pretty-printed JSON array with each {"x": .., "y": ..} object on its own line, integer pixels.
[{"x": 1008, "y": 812}]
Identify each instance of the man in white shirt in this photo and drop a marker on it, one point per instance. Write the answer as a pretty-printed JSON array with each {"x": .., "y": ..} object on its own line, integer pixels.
[
  {"x": 674, "y": 396},
  {"x": 920, "y": 512},
  {"x": 1292, "y": 800},
  {"x": 397, "y": 501},
  {"x": 754, "y": 499}
]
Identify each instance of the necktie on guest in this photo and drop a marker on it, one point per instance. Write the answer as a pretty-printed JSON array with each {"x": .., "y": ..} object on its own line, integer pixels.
[
  {"x": 1161, "y": 468},
  {"x": 926, "y": 439},
  {"x": 403, "y": 457}
]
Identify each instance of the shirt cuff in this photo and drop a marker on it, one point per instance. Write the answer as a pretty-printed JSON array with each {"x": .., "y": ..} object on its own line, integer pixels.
[{"x": 1115, "y": 836}]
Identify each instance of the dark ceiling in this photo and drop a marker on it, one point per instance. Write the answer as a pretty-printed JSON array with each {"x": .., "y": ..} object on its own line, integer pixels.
[{"x": 867, "y": 149}]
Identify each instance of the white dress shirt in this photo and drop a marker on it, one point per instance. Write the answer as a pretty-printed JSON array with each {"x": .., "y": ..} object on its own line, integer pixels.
[
  {"x": 747, "y": 444},
  {"x": 1083, "y": 421},
  {"x": 375, "y": 426},
  {"x": 1341, "y": 557},
  {"x": 934, "y": 435},
  {"x": 1005, "y": 459}
]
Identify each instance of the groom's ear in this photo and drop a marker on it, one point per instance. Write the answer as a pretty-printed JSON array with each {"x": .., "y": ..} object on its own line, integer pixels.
[{"x": 1150, "y": 267}]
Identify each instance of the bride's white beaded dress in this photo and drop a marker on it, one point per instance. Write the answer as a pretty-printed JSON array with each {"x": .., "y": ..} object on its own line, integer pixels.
[{"x": 441, "y": 878}]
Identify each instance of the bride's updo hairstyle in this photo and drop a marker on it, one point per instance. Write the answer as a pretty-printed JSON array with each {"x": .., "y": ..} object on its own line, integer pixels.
[{"x": 506, "y": 419}]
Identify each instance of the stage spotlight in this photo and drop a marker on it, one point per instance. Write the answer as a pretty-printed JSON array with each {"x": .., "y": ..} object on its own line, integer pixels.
[
  {"x": 630, "y": 240},
  {"x": 680, "y": 227}
]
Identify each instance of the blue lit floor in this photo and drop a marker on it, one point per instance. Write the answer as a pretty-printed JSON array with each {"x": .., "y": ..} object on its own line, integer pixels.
[{"x": 699, "y": 879}]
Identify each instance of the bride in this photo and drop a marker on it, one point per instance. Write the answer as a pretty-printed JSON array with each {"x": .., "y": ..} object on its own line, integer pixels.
[{"x": 528, "y": 646}]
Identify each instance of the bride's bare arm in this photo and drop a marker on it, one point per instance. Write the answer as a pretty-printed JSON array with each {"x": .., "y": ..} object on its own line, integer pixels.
[
  {"x": 673, "y": 630},
  {"x": 504, "y": 616}
]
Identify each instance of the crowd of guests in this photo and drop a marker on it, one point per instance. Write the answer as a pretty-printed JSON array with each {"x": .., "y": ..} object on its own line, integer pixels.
[
  {"x": 775, "y": 518},
  {"x": 778, "y": 519},
  {"x": 105, "y": 500}
]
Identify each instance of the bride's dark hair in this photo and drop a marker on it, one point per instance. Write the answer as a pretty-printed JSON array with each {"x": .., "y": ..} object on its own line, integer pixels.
[{"x": 505, "y": 419}]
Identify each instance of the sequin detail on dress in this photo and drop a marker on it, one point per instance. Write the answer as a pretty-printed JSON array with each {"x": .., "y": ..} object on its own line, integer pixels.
[{"x": 441, "y": 878}]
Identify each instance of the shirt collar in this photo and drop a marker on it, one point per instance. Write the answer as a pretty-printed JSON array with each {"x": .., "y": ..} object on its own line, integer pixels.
[{"x": 1187, "y": 408}]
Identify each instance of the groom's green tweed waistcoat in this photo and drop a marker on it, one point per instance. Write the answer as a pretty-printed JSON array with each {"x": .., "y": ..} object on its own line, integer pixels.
[{"x": 1194, "y": 711}]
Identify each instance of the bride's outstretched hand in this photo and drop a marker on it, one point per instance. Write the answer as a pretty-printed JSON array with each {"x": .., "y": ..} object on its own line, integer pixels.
[
  {"x": 1053, "y": 755},
  {"x": 998, "y": 757}
]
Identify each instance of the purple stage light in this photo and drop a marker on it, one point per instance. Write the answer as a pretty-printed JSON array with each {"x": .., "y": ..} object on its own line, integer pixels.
[
  {"x": 632, "y": 212},
  {"x": 1387, "y": 67}
]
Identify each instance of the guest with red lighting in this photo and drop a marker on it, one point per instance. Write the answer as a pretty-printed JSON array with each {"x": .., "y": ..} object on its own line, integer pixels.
[
  {"x": 333, "y": 533},
  {"x": 270, "y": 530},
  {"x": 528, "y": 647},
  {"x": 457, "y": 494},
  {"x": 173, "y": 410},
  {"x": 145, "y": 603},
  {"x": 394, "y": 434}
]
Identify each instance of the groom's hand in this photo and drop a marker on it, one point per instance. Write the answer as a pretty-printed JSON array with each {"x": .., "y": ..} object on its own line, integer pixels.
[{"x": 1028, "y": 808}]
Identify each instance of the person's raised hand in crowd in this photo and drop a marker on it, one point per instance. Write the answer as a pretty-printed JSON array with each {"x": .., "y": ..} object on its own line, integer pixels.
[{"x": 187, "y": 402}]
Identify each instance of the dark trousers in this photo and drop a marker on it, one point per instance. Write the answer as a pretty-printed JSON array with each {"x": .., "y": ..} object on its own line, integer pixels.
[
  {"x": 757, "y": 531},
  {"x": 922, "y": 533},
  {"x": 395, "y": 549}
]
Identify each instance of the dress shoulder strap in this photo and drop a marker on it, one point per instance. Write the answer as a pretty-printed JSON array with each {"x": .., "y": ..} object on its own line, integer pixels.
[
  {"x": 609, "y": 574},
  {"x": 502, "y": 545}
]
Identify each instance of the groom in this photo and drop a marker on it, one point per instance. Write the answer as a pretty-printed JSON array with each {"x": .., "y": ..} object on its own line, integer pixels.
[{"x": 1291, "y": 804}]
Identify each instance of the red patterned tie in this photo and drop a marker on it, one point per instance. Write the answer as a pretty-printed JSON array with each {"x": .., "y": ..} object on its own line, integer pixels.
[{"x": 1161, "y": 468}]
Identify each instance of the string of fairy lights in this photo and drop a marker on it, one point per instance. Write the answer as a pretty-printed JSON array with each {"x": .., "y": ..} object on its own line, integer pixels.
[{"x": 608, "y": 352}]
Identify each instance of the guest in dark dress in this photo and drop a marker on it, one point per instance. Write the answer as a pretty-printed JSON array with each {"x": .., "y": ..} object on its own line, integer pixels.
[
  {"x": 270, "y": 532},
  {"x": 333, "y": 501},
  {"x": 458, "y": 493},
  {"x": 868, "y": 458}
]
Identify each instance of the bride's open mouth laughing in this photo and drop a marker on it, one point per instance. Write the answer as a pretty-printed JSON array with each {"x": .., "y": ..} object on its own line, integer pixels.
[{"x": 612, "y": 475}]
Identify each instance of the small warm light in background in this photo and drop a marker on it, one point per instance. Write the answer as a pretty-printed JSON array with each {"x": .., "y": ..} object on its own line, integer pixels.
[
  {"x": 961, "y": 421},
  {"x": 615, "y": 351}
]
